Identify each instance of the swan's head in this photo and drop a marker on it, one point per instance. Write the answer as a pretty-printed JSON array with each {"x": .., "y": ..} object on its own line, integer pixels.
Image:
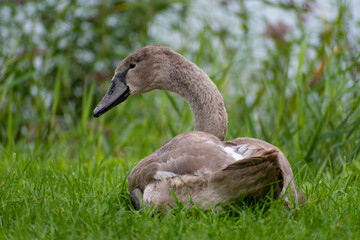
[{"x": 142, "y": 71}]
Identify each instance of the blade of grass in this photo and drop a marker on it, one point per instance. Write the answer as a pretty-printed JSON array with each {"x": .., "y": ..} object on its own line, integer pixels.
[
  {"x": 87, "y": 100},
  {"x": 56, "y": 93},
  {"x": 10, "y": 126}
]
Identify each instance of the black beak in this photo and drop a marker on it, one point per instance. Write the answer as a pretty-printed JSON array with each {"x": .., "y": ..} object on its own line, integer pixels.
[{"x": 117, "y": 93}]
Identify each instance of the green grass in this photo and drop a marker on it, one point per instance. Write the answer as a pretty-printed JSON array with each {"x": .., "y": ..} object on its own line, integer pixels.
[
  {"x": 47, "y": 194},
  {"x": 63, "y": 174}
]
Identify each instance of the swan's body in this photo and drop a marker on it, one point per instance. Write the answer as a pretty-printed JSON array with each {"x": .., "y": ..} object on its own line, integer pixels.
[{"x": 195, "y": 165}]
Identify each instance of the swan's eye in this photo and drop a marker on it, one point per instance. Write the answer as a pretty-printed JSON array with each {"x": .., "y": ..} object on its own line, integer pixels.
[{"x": 132, "y": 65}]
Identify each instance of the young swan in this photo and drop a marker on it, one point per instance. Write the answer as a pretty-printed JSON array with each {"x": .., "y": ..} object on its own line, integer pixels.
[{"x": 198, "y": 167}]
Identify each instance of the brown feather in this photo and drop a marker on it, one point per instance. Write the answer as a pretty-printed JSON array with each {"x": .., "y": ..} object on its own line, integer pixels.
[{"x": 196, "y": 164}]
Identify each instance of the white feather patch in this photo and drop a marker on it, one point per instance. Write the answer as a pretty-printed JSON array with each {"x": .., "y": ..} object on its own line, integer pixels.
[
  {"x": 164, "y": 174},
  {"x": 231, "y": 151}
]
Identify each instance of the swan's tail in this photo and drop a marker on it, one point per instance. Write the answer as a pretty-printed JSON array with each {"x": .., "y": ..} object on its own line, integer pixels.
[{"x": 254, "y": 177}]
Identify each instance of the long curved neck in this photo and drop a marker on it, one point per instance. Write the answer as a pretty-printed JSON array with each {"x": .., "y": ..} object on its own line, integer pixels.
[{"x": 201, "y": 93}]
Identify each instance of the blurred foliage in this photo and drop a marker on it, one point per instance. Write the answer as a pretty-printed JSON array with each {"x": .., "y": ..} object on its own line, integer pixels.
[
  {"x": 52, "y": 50},
  {"x": 57, "y": 58}
]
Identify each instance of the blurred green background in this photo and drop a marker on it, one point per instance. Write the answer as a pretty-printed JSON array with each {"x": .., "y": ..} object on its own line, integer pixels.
[
  {"x": 288, "y": 71},
  {"x": 58, "y": 57}
]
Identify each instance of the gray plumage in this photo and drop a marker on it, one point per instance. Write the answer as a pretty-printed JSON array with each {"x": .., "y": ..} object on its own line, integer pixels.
[{"x": 195, "y": 165}]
